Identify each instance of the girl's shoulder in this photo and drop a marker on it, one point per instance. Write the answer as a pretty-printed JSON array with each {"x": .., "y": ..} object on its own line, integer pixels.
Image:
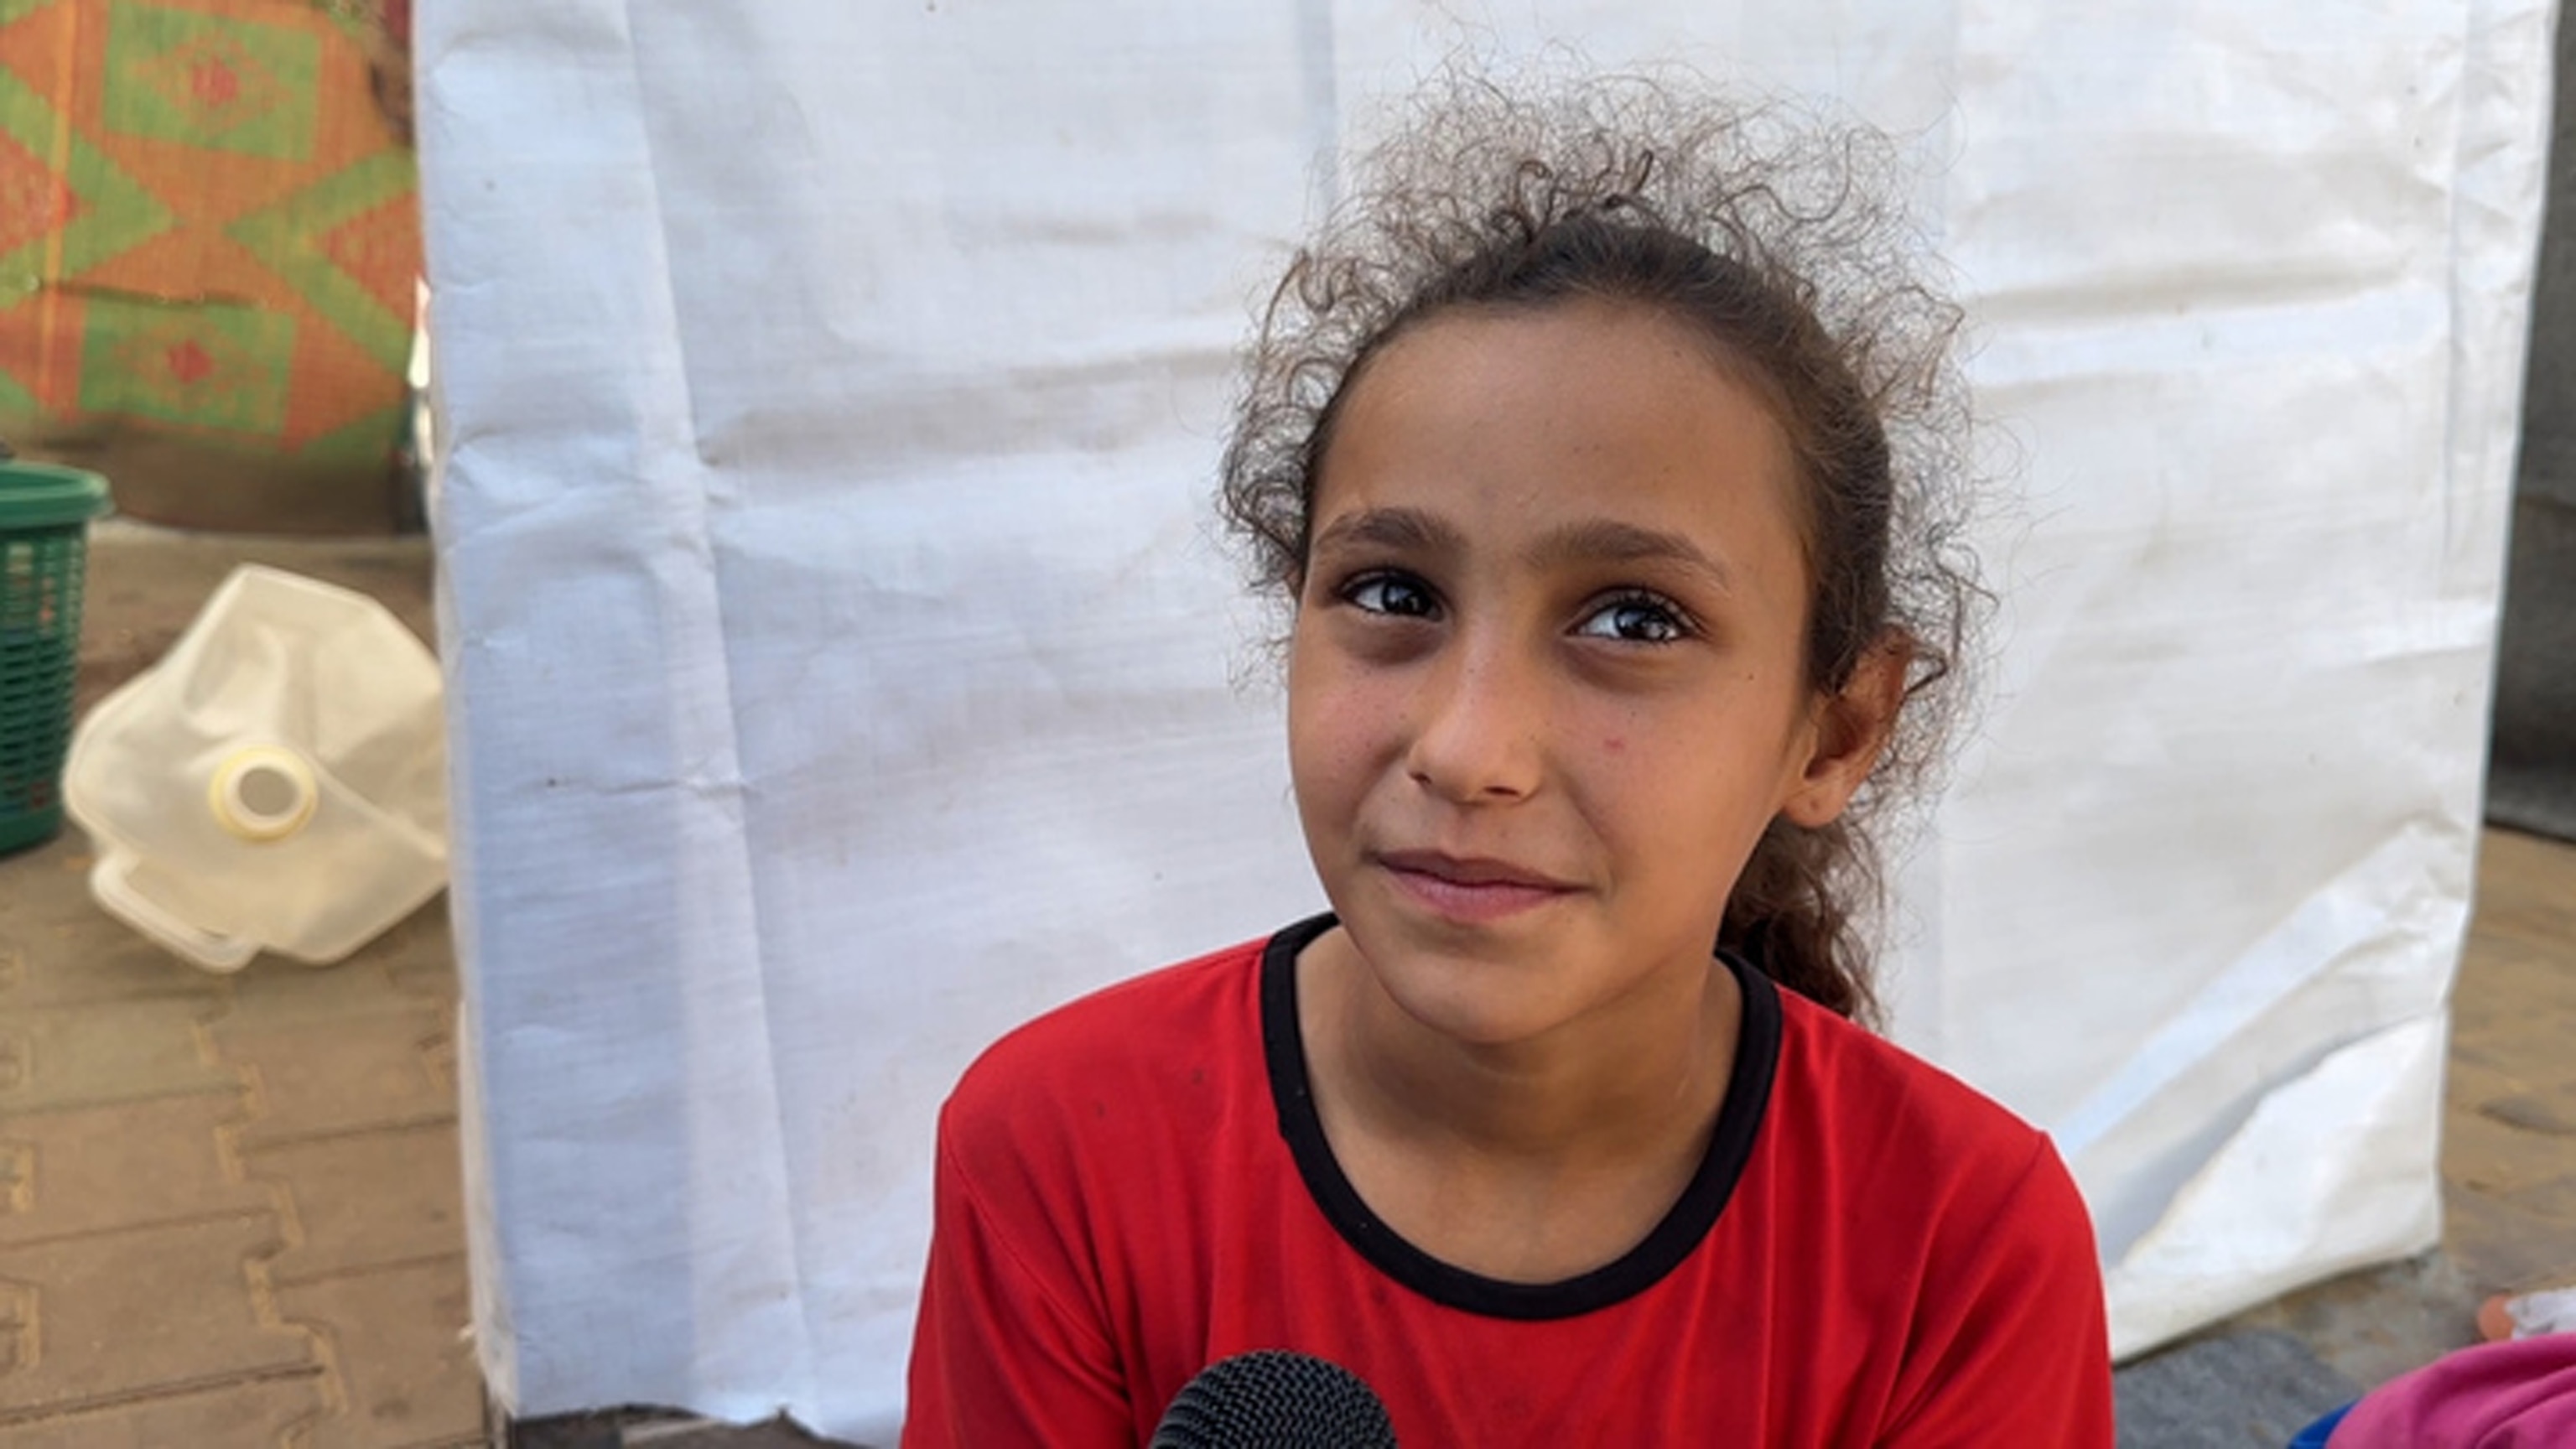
[
  {"x": 1882, "y": 1105},
  {"x": 1141, "y": 1013},
  {"x": 1911, "y": 1176},
  {"x": 1142, "y": 1056}
]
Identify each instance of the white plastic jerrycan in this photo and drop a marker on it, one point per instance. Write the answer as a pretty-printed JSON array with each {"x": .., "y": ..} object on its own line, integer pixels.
[{"x": 277, "y": 782}]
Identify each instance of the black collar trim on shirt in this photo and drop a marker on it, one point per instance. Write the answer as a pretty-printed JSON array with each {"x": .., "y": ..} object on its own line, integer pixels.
[{"x": 1730, "y": 1146}]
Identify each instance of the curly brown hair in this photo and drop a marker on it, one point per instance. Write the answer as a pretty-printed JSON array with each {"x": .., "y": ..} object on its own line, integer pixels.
[{"x": 1779, "y": 236}]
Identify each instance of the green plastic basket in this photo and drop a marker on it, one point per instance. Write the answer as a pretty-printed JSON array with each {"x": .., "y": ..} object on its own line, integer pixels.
[{"x": 44, "y": 530}]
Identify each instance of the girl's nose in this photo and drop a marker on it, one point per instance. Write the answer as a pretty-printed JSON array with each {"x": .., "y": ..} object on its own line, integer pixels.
[{"x": 1476, "y": 727}]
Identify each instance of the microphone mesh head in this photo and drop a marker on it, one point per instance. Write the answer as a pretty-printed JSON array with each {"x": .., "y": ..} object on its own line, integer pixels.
[{"x": 1275, "y": 1399}]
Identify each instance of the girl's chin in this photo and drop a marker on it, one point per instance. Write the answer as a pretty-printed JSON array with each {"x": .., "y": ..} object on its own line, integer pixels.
[{"x": 1476, "y": 1003}]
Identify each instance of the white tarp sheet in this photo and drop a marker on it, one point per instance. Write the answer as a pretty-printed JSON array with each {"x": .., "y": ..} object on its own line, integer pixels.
[{"x": 841, "y": 670}]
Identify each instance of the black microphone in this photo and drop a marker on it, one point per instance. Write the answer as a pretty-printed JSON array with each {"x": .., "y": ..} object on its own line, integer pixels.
[{"x": 1274, "y": 1399}]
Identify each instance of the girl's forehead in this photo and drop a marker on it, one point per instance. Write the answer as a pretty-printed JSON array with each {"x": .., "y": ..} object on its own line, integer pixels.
[
  {"x": 1577, "y": 408},
  {"x": 1585, "y": 329}
]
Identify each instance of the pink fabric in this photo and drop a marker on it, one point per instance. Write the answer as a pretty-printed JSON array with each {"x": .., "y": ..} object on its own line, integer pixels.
[{"x": 2518, "y": 1395}]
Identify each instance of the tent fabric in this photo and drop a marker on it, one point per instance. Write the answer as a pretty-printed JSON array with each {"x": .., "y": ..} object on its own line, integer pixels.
[{"x": 841, "y": 669}]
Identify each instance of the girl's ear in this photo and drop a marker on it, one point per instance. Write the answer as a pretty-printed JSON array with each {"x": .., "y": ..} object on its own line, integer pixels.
[{"x": 1852, "y": 728}]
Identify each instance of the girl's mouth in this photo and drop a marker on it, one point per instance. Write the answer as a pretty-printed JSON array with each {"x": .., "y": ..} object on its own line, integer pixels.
[{"x": 1469, "y": 890}]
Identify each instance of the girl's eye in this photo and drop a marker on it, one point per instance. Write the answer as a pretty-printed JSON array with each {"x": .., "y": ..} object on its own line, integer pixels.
[
  {"x": 1636, "y": 619},
  {"x": 1390, "y": 594}
]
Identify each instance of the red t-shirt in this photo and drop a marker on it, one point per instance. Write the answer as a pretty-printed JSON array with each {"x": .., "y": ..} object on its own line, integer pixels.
[{"x": 1136, "y": 1186}]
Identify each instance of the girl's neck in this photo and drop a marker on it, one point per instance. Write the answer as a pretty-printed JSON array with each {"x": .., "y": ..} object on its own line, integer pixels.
[
  {"x": 1533, "y": 1163},
  {"x": 1641, "y": 1084}
]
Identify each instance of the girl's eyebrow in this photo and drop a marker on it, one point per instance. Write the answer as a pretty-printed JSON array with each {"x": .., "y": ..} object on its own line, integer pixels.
[
  {"x": 1592, "y": 541},
  {"x": 1403, "y": 529},
  {"x": 1607, "y": 540}
]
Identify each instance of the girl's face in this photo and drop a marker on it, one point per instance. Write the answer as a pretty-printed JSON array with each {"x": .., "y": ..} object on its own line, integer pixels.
[{"x": 1545, "y": 687}]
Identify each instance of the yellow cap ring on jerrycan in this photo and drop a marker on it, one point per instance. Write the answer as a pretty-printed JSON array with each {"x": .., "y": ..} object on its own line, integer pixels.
[{"x": 263, "y": 793}]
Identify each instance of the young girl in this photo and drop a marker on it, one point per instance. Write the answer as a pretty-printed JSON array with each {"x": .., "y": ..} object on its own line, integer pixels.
[{"x": 1602, "y": 447}]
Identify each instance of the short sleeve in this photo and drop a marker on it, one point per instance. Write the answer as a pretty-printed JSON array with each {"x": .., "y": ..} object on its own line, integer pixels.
[
  {"x": 1002, "y": 1355},
  {"x": 2011, "y": 1344}
]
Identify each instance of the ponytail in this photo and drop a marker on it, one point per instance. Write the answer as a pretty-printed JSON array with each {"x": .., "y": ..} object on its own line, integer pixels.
[{"x": 1791, "y": 915}]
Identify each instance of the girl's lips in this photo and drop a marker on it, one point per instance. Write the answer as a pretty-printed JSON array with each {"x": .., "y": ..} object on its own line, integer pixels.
[{"x": 1468, "y": 890}]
